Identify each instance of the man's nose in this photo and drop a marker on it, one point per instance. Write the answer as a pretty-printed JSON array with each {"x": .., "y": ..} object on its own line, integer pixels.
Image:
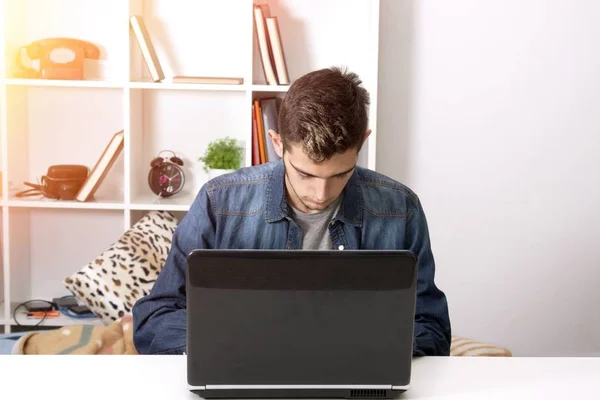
[{"x": 321, "y": 190}]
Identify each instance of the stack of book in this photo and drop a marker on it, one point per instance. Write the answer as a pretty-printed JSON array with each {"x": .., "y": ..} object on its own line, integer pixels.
[
  {"x": 270, "y": 46},
  {"x": 264, "y": 119}
]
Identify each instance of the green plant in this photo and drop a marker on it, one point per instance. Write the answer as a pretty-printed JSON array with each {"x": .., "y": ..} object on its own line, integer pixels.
[{"x": 222, "y": 153}]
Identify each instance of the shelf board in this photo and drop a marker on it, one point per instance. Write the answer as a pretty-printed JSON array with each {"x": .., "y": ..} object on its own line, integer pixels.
[
  {"x": 73, "y": 204},
  {"x": 151, "y": 202},
  {"x": 62, "y": 320},
  {"x": 145, "y": 202},
  {"x": 184, "y": 86},
  {"x": 63, "y": 83},
  {"x": 141, "y": 85}
]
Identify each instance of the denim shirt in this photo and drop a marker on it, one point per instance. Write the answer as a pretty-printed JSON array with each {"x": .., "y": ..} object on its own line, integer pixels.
[{"x": 247, "y": 209}]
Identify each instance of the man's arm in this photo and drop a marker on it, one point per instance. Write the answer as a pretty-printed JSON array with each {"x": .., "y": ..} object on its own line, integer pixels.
[
  {"x": 432, "y": 322},
  {"x": 160, "y": 318}
]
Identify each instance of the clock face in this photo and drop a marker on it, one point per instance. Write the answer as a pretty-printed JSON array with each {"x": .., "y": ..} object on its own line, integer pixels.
[{"x": 166, "y": 180}]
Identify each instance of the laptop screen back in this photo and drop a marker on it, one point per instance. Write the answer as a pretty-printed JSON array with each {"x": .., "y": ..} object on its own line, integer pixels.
[{"x": 274, "y": 317}]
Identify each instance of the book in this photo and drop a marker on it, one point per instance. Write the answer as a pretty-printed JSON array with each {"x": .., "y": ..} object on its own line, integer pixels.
[
  {"x": 148, "y": 52},
  {"x": 260, "y": 133},
  {"x": 277, "y": 50},
  {"x": 216, "y": 80},
  {"x": 260, "y": 13},
  {"x": 255, "y": 149},
  {"x": 103, "y": 165}
]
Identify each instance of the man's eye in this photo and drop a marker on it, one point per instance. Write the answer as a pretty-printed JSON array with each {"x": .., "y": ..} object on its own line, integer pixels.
[{"x": 304, "y": 176}]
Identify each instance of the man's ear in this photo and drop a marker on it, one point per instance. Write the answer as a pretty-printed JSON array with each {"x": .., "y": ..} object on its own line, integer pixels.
[
  {"x": 367, "y": 133},
  {"x": 277, "y": 144}
]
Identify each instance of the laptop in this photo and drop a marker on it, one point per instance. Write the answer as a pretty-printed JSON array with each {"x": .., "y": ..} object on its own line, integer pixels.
[{"x": 300, "y": 323}]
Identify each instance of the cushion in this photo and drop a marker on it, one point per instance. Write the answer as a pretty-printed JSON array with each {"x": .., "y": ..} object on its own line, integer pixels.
[
  {"x": 466, "y": 347},
  {"x": 111, "y": 283}
]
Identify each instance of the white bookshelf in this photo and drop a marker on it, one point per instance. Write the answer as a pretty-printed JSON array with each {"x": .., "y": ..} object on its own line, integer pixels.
[{"x": 45, "y": 122}]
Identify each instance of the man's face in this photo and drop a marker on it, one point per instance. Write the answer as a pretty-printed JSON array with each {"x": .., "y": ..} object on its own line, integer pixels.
[{"x": 313, "y": 187}]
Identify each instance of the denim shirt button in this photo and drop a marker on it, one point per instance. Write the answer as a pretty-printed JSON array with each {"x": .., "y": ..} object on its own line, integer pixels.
[{"x": 341, "y": 247}]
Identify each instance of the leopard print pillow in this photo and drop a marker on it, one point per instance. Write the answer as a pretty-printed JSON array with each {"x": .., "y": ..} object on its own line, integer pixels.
[{"x": 112, "y": 283}]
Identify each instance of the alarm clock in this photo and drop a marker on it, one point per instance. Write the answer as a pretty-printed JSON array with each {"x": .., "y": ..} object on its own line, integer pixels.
[{"x": 166, "y": 176}]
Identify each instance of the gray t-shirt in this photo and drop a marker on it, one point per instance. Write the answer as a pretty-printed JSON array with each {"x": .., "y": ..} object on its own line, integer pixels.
[{"x": 315, "y": 226}]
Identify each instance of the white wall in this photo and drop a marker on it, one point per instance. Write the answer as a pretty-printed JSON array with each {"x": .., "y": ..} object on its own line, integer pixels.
[{"x": 494, "y": 110}]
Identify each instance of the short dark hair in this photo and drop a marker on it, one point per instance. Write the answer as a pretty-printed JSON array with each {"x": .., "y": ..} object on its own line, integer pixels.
[{"x": 326, "y": 111}]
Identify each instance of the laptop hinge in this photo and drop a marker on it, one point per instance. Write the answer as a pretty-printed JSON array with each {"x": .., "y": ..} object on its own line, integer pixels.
[
  {"x": 307, "y": 386},
  {"x": 234, "y": 387}
]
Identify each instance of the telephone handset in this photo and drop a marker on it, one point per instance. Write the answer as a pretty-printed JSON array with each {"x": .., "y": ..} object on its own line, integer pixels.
[{"x": 59, "y": 58}]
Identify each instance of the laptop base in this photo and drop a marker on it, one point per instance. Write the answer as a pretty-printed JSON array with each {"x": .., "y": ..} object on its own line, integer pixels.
[{"x": 307, "y": 393}]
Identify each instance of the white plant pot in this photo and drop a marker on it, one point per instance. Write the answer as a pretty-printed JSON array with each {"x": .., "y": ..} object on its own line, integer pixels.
[{"x": 213, "y": 173}]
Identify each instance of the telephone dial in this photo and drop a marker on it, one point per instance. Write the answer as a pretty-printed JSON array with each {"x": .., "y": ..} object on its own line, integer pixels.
[{"x": 59, "y": 58}]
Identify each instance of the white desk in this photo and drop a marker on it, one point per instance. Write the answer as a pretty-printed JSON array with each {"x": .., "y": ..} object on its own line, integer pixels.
[{"x": 164, "y": 377}]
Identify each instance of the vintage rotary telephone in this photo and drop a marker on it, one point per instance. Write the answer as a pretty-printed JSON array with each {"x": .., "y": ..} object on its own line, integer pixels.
[
  {"x": 60, "y": 58},
  {"x": 61, "y": 182}
]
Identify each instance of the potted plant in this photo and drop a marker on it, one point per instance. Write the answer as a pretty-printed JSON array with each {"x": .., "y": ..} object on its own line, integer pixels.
[{"x": 222, "y": 156}]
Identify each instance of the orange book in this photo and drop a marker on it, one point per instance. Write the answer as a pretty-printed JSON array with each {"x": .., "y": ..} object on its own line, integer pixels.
[{"x": 260, "y": 131}]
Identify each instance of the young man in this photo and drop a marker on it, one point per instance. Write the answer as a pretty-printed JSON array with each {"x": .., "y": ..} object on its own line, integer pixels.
[{"x": 315, "y": 197}]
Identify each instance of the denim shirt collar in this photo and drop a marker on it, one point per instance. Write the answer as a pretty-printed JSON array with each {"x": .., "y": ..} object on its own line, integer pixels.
[{"x": 276, "y": 207}]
